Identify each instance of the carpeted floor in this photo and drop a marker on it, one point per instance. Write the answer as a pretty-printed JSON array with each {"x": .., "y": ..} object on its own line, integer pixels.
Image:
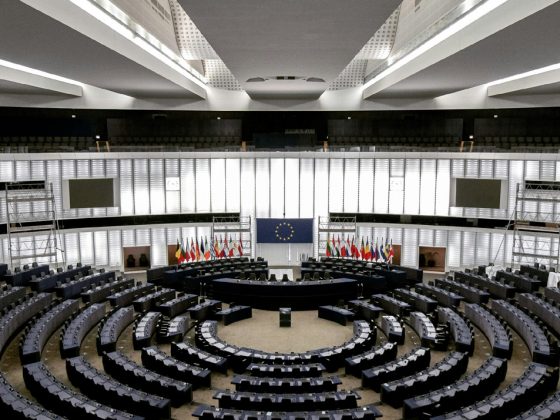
[{"x": 263, "y": 332}]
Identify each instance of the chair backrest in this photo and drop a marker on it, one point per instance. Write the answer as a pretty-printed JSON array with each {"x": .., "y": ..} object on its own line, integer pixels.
[{"x": 272, "y": 277}]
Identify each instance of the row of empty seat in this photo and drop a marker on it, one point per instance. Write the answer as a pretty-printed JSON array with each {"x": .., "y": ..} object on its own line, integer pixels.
[
  {"x": 466, "y": 391},
  {"x": 528, "y": 329},
  {"x": 36, "y": 337},
  {"x": 444, "y": 372},
  {"x": 414, "y": 361},
  {"x": 128, "y": 372},
  {"x": 497, "y": 334},
  {"x": 101, "y": 387},
  {"x": 529, "y": 389}
]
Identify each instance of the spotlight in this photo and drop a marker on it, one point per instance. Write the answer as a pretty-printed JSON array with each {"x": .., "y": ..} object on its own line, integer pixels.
[
  {"x": 471, "y": 137},
  {"x": 218, "y": 118},
  {"x": 73, "y": 115},
  {"x": 98, "y": 137},
  {"x": 495, "y": 115},
  {"x": 349, "y": 118}
]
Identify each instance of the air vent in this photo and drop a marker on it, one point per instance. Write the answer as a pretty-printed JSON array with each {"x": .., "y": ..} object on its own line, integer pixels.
[{"x": 285, "y": 78}]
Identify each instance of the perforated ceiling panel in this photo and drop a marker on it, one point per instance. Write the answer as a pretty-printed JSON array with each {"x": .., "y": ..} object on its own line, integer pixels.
[
  {"x": 376, "y": 49},
  {"x": 219, "y": 75},
  {"x": 194, "y": 46},
  {"x": 352, "y": 76},
  {"x": 380, "y": 45}
]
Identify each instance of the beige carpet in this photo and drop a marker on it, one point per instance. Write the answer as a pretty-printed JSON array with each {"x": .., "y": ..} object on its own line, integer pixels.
[{"x": 263, "y": 332}]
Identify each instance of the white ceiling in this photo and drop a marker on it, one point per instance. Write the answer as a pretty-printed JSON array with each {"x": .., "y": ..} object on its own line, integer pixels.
[
  {"x": 304, "y": 38},
  {"x": 528, "y": 44},
  {"x": 33, "y": 39},
  {"x": 311, "y": 38}
]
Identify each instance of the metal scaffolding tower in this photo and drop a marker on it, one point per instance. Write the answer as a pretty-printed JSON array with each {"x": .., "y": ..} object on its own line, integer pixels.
[
  {"x": 236, "y": 227},
  {"x": 32, "y": 225},
  {"x": 536, "y": 224},
  {"x": 333, "y": 227}
]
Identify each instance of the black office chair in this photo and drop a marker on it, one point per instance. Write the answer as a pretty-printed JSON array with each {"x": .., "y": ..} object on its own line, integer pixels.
[
  {"x": 285, "y": 277},
  {"x": 316, "y": 276},
  {"x": 272, "y": 277},
  {"x": 307, "y": 276}
]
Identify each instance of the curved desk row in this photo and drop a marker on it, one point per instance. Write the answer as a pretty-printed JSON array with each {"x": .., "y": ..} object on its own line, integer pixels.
[{"x": 274, "y": 295}]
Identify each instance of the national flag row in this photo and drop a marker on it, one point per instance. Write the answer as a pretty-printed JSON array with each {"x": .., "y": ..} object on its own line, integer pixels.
[
  {"x": 202, "y": 250},
  {"x": 360, "y": 250}
]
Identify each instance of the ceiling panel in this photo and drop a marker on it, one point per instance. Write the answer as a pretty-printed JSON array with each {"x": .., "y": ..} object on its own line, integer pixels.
[
  {"x": 302, "y": 38},
  {"x": 33, "y": 39},
  {"x": 528, "y": 44},
  {"x": 7, "y": 87}
]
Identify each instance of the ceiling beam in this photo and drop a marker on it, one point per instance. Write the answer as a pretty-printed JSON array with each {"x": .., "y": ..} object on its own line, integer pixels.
[
  {"x": 88, "y": 19},
  {"x": 532, "y": 79},
  {"x": 22, "y": 75},
  {"x": 478, "y": 24}
]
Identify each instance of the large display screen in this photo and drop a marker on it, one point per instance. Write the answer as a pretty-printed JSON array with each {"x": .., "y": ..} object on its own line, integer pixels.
[
  {"x": 89, "y": 193},
  {"x": 478, "y": 193}
]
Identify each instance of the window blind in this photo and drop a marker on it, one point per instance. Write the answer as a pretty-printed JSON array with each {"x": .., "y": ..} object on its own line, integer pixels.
[
  {"x": 157, "y": 186},
  {"x": 218, "y": 185},
  {"x": 366, "y": 186},
  {"x": 291, "y": 190}
]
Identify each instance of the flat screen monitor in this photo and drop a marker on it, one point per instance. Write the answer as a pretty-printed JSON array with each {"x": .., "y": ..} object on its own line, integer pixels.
[
  {"x": 90, "y": 193},
  {"x": 478, "y": 193}
]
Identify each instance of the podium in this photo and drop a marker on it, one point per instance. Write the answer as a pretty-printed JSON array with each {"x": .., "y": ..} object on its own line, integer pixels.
[{"x": 285, "y": 317}]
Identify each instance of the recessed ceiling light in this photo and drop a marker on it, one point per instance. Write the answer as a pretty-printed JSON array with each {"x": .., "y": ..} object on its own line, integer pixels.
[
  {"x": 73, "y": 115},
  {"x": 495, "y": 115},
  {"x": 315, "y": 80},
  {"x": 349, "y": 118},
  {"x": 218, "y": 118},
  {"x": 471, "y": 137},
  {"x": 98, "y": 137}
]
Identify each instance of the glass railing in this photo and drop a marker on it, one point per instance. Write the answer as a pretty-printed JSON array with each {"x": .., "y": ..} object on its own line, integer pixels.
[{"x": 383, "y": 148}]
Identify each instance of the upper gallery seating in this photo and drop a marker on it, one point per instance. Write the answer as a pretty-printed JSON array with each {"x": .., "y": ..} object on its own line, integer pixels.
[
  {"x": 445, "y": 143},
  {"x": 57, "y": 144}
]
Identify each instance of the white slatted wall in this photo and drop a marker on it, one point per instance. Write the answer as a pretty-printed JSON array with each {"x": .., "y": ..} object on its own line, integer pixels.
[{"x": 294, "y": 186}]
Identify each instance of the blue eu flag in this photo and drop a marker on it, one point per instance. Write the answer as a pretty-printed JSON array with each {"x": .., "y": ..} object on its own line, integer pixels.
[{"x": 284, "y": 231}]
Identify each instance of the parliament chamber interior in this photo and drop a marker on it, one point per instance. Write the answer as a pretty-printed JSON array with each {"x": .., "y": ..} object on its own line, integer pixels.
[{"x": 280, "y": 210}]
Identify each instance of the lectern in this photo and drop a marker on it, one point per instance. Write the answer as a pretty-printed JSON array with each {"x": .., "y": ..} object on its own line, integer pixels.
[{"x": 285, "y": 317}]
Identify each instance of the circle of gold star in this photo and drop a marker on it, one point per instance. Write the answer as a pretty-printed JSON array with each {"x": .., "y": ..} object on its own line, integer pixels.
[{"x": 280, "y": 236}]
